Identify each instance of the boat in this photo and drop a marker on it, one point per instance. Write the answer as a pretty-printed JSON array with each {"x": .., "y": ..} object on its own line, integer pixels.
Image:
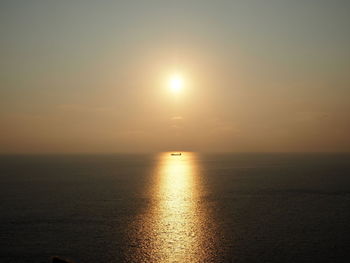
[{"x": 175, "y": 154}]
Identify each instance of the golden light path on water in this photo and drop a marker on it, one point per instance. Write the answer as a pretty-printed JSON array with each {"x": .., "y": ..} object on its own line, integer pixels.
[
  {"x": 174, "y": 228},
  {"x": 177, "y": 223}
]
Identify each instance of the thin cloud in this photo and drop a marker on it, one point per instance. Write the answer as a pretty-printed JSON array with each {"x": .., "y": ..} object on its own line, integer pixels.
[{"x": 177, "y": 118}]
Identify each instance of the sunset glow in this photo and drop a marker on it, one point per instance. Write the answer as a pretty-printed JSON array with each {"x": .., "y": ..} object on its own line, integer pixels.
[
  {"x": 175, "y": 131},
  {"x": 176, "y": 83}
]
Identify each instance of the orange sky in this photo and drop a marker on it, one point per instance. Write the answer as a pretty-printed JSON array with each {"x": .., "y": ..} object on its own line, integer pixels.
[{"x": 93, "y": 76}]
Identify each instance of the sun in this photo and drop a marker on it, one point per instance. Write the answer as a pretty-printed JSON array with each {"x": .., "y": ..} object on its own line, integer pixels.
[{"x": 176, "y": 83}]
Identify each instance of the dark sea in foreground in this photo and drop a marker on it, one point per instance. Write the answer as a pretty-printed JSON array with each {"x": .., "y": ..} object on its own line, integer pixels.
[{"x": 163, "y": 208}]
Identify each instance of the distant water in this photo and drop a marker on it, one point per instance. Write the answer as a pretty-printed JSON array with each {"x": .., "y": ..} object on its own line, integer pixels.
[{"x": 162, "y": 208}]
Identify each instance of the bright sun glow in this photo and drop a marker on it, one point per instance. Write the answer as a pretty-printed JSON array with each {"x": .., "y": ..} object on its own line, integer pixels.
[{"x": 176, "y": 83}]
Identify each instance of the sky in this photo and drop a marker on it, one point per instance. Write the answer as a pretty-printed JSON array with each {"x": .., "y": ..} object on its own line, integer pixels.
[{"x": 92, "y": 76}]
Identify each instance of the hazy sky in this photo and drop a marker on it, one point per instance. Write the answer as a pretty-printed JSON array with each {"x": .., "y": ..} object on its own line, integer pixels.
[{"x": 91, "y": 76}]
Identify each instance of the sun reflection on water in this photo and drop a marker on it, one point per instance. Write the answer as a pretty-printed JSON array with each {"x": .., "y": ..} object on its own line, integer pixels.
[
  {"x": 178, "y": 222},
  {"x": 174, "y": 227}
]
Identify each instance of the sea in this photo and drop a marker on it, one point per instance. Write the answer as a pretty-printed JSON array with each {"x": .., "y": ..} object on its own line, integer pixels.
[{"x": 162, "y": 208}]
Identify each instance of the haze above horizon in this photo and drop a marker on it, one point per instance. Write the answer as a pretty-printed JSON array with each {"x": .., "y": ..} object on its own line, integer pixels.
[{"x": 148, "y": 76}]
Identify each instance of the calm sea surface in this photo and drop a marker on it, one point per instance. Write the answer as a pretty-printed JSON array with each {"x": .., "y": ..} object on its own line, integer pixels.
[{"x": 163, "y": 208}]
